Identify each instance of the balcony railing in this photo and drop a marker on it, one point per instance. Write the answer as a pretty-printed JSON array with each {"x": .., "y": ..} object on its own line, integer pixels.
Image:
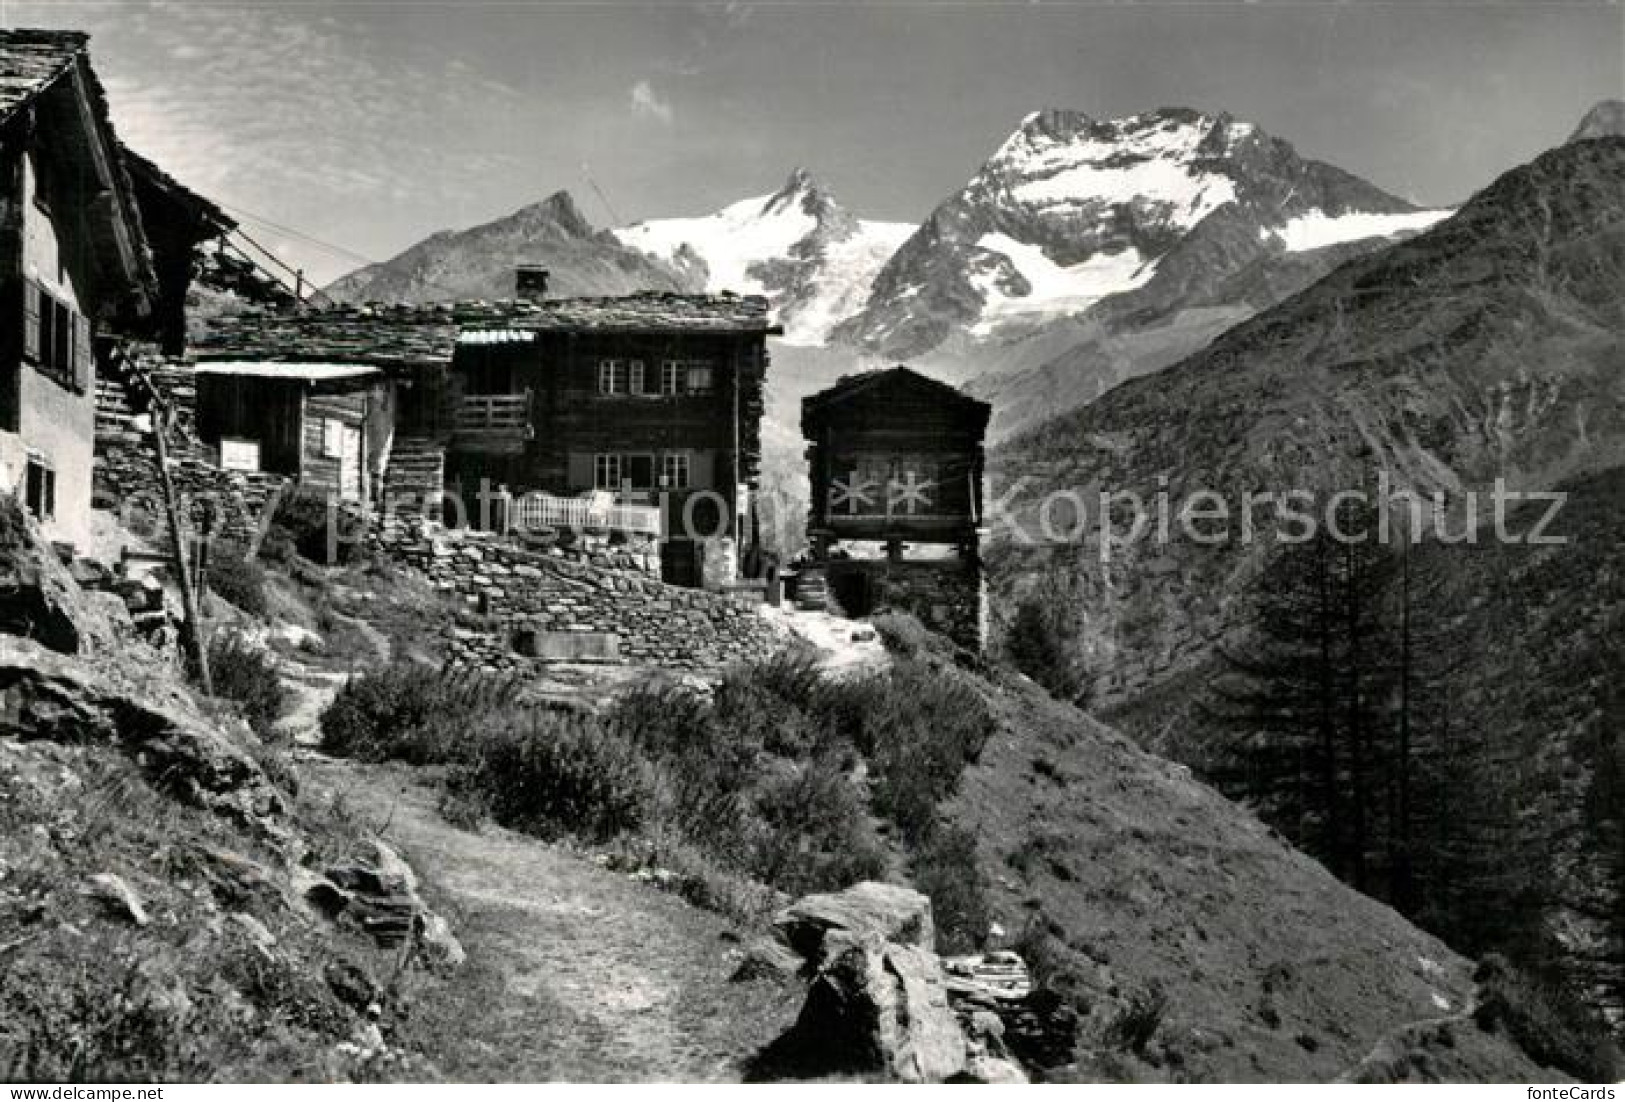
[
  {"x": 500, "y": 421},
  {"x": 539, "y": 510}
]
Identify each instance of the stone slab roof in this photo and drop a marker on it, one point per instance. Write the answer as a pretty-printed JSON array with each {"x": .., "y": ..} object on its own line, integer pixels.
[
  {"x": 30, "y": 60},
  {"x": 405, "y": 335},
  {"x": 650, "y": 312},
  {"x": 380, "y": 336}
]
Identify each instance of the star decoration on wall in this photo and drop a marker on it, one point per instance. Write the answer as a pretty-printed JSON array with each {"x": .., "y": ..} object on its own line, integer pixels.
[
  {"x": 909, "y": 491},
  {"x": 852, "y": 493}
]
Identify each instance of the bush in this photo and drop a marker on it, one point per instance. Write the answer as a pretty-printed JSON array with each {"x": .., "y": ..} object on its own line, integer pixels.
[
  {"x": 903, "y": 634},
  {"x": 237, "y": 578},
  {"x": 409, "y": 712},
  {"x": 307, "y": 523},
  {"x": 247, "y": 676},
  {"x": 551, "y": 774},
  {"x": 919, "y": 728},
  {"x": 947, "y": 871},
  {"x": 816, "y": 834}
]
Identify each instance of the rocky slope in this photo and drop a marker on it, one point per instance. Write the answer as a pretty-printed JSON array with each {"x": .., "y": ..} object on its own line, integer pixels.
[
  {"x": 1133, "y": 879},
  {"x": 812, "y": 258},
  {"x": 479, "y": 262},
  {"x": 1487, "y": 347},
  {"x": 170, "y": 909}
]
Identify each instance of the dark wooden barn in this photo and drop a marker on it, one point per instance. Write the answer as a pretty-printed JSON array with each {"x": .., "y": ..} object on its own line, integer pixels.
[
  {"x": 317, "y": 423},
  {"x": 894, "y": 456}
]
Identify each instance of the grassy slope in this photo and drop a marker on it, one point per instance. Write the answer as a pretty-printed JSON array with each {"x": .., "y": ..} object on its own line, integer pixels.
[{"x": 1160, "y": 879}]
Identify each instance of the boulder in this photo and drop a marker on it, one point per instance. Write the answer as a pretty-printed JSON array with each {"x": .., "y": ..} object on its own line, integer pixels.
[
  {"x": 901, "y": 916},
  {"x": 49, "y": 696},
  {"x": 876, "y": 1009},
  {"x": 39, "y": 599},
  {"x": 437, "y": 943}
]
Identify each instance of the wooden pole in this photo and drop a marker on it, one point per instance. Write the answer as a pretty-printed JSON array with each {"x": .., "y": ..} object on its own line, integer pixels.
[{"x": 192, "y": 629}]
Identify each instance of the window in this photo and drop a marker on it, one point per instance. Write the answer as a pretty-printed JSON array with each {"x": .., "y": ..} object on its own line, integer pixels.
[
  {"x": 39, "y": 491},
  {"x": 56, "y": 338},
  {"x": 672, "y": 376},
  {"x": 606, "y": 472},
  {"x": 635, "y": 377},
  {"x": 674, "y": 471},
  {"x": 612, "y": 376},
  {"x": 640, "y": 471},
  {"x": 699, "y": 378}
]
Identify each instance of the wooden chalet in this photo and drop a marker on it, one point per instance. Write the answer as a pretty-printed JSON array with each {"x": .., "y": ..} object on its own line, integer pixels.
[
  {"x": 74, "y": 266},
  {"x": 894, "y": 457},
  {"x": 653, "y": 398}
]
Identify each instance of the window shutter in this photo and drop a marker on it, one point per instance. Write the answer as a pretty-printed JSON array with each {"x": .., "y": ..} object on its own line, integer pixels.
[
  {"x": 31, "y": 305},
  {"x": 84, "y": 362}
]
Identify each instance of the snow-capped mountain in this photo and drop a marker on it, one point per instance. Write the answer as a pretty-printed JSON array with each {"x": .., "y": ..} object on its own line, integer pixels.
[
  {"x": 810, "y": 256},
  {"x": 1071, "y": 210}
]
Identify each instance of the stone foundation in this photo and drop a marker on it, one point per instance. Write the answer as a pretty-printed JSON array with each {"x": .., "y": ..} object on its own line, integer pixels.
[{"x": 946, "y": 595}]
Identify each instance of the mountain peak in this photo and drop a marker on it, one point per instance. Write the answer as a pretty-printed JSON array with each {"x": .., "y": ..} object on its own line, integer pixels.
[
  {"x": 801, "y": 191},
  {"x": 560, "y": 210},
  {"x": 1605, "y": 120}
]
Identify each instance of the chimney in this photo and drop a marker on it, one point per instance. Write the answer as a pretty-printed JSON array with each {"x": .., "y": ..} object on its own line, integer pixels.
[{"x": 530, "y": 282}]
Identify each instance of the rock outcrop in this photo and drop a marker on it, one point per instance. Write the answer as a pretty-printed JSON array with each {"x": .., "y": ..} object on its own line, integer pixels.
[
  {"x": 39, "y": 599},
  {"x": 879, "y": 1002},
  {"x": 45, "y": 695},
  {"x": 886, "y": 912}
]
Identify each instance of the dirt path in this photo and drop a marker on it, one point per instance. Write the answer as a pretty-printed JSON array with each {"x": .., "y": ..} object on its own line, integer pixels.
[{"x": 575, "y": 973}]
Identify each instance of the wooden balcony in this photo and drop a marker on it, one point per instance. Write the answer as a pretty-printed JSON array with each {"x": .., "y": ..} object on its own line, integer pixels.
[
  {"x": 492, "y": 423},
  {"x": 593, "y": 513}
]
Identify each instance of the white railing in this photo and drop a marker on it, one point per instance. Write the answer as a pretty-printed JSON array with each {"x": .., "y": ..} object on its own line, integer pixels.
[{"x": 538, "y": 510}]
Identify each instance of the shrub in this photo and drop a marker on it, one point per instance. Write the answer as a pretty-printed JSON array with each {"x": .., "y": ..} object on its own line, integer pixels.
[
  {"x": 409, "y": 712},
  {"x": 247, "y": 676},
  {"x": 816, "y": 834},
  {"x": 947, "y": 871},
  {"x": 919, "y": 728},
  {"x": 552, "y": 773},
  {"x": 306, "y": 522},
  {"x": 903, "y": 634},
  {"x": 237, "y": 578}
]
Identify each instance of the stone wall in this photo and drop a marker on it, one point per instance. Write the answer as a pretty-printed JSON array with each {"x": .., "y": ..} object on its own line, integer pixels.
[
  {"x": 946, "y": 595},
  {"x": 585, "y": 592}
]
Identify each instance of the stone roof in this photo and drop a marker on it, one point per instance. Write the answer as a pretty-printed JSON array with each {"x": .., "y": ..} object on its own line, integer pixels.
[
  {"x": 649, "y": 312},
  {"x": 403, "y": 335},
  {"x": 30, "y": 60},
  {"x": 380, "y": 336}
]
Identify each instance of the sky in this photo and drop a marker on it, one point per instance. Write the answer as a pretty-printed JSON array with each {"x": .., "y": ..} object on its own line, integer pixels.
[{"x": 344, "y": 131}]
